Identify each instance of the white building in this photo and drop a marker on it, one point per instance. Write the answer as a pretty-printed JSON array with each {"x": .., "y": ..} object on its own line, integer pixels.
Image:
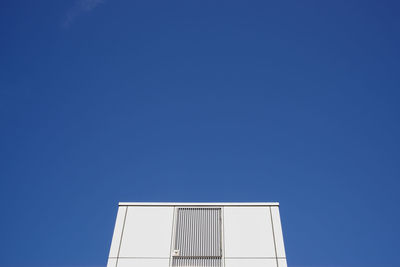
[{"x": 197, "y": 234}]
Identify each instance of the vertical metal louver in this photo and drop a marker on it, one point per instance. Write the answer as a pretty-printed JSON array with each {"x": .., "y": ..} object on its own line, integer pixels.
[{"x": 198, "y": 240}]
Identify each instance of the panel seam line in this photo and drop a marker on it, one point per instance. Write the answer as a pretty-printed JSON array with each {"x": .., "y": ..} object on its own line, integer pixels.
[
  {"x": 273, "y": 235},
  {"x": 122, "y": 235}
]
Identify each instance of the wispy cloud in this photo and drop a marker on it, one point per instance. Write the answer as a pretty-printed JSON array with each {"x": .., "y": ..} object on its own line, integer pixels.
[{"x": 80, "y": 7}]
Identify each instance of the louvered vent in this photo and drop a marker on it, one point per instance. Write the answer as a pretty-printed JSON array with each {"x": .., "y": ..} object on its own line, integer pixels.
[{"x": 198, "y": 237}]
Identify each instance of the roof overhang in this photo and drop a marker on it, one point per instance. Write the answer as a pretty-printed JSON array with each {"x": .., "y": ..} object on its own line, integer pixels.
[{"x": 236, "y": 204}]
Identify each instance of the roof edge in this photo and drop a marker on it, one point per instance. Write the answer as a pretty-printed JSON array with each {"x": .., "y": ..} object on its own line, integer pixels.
[{"x": 237, "y": 204}]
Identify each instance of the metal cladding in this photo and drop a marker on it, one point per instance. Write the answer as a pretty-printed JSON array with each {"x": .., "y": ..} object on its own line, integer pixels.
[
  {"x": 200, "y": 262},
  {"x": 198, "y": 237},
  {"x": 198, "y": 232},
  {"x": 165, "y": 234}
]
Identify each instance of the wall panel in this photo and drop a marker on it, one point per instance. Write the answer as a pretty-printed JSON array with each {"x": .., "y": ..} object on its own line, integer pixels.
[
  {"x": 147, "y": 232},
  {"x": 248, "y": 232}
]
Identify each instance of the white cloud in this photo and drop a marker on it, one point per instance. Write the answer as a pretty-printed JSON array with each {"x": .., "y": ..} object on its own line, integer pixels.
[{"x": 80, "y": 7}]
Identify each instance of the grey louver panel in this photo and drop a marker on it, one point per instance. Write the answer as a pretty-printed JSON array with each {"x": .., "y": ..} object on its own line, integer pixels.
[
  {"x": 198, "y": 237},
  {"x": 198, "y": 262}
]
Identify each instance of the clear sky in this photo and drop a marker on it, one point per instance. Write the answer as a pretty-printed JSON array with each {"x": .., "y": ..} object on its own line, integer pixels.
[{"x": 125, "y": 100}]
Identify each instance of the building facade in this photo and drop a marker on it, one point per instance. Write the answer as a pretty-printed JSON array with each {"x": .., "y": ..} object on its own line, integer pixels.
[{"x": 197, "y": 234}]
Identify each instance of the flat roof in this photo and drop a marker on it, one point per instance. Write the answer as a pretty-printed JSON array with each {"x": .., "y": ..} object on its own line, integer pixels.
[{"x": 198, "y": 203}]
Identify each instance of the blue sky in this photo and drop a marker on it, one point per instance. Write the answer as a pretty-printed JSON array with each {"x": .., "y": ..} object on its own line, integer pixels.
[{"x": 289, "y": 101}]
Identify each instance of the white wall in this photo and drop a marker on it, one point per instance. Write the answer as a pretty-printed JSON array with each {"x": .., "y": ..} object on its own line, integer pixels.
[
  {"x": 143, "y": 262},
  {"x": 147, "y": 232},
  {"x": 248, "y": 232},
  {"x": 143, "y": 237},
  {"x": 276, "y": 218},
  {"x": 119, "y": 224},
  {"x": 250, "y": 262}
]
